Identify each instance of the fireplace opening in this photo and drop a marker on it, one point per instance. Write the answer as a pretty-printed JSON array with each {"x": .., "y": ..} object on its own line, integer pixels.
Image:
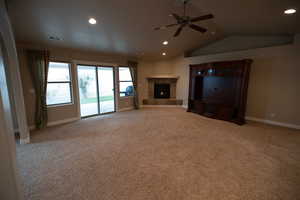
[{"x": 161, "y": 91}]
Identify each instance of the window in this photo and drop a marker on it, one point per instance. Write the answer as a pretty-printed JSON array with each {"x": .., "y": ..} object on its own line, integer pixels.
[
  {"x": 126, "y": 86},
  {"x": 59, "y": 84}
]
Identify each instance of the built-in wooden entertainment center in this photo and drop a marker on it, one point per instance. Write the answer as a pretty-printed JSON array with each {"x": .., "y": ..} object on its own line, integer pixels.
[{"x": 219, "y": 89}]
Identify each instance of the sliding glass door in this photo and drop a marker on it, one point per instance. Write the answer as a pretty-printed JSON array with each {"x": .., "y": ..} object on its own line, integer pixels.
[
  {"x": 106, "y": 89},
  {"x": 88, "y": 93},
  {"x": 96, "y": 90}
]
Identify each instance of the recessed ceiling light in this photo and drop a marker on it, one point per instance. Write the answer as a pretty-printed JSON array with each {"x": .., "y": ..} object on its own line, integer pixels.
[
  {"x": 164, "y": 54},
  {"x": 290, "y": 11},
  {"x": 92, "y": 21},
  {"x": 165, "y": 43}
]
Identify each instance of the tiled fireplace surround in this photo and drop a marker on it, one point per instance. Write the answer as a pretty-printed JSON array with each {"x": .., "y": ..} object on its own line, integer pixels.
[{"x": 172, "y": 80}]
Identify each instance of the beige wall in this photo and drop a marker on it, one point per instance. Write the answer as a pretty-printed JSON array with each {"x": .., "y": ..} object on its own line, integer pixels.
[
  {"x": 64, "y": 112},
  {"x": 10, "y": 188},
  {"x": 147, "y": 69},
  {"x": 125, "y": 103},
  {"x": 9, "y": 181},
  {"x": 274, "y": 87}
]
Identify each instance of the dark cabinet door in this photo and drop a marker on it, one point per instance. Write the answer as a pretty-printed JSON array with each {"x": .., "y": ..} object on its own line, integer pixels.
[
  {"x": 219, "y": 89},
  {"x": 198, "y": 107},
  {"x": 225, "y": 113}
]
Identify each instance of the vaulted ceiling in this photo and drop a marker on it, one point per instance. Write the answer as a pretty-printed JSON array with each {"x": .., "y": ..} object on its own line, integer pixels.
[{"x": 126, "y": 26}]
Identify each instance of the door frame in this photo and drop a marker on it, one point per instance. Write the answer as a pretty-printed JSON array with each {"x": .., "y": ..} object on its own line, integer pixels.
[
  {"x": 114, "y": 89},
  {"x": 97, "y": 87},
  {"x": 11, "y": 181}
]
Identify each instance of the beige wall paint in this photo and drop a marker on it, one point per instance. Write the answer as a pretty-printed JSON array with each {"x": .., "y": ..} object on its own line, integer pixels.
[
  {"x": 147, "y": 69},
  {"x": 10, "y": 187},
  {"x": 274, "y": 86},
  {"x": 9, "y": 181},
  {"x": 71, "y": 111},
  {"x": 125, "y": 103}
]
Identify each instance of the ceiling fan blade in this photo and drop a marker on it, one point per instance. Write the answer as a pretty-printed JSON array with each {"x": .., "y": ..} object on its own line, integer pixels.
[
  {"x": 197, "y": 28},
  {"x": 177, "y": 17},
  {"x": 178, "y": 31},
  {"x": 204, "y": 17},
  {"x": 164, "y": 27}
]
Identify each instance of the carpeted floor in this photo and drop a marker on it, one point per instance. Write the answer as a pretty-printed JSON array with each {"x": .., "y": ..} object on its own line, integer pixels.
[{"x": 161, "y": 154}]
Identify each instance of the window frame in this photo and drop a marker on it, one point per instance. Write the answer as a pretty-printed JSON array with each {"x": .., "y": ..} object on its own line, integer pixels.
[
  {"x": 123, "y": 82},
  {"x": 57, "y": 82}
]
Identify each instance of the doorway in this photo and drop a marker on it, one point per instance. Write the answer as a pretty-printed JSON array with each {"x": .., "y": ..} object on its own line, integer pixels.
[{"x": 96, "y": 90}]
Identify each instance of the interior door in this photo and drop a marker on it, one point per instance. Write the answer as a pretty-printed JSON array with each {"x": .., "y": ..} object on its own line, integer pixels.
[{"x": 106, "y": 89}]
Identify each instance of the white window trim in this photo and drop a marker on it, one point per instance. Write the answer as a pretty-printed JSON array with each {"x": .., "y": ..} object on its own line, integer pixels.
[
  {"x": 71, "y": 86},
  {"x": 123, "y": 97}
]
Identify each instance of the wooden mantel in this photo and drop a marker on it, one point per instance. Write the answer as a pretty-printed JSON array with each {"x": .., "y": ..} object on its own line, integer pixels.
[{"x": 163, "y": 77}]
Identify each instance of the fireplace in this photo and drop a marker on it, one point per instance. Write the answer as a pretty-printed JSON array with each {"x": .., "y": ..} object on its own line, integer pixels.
[{"x": 161, "y": 91}]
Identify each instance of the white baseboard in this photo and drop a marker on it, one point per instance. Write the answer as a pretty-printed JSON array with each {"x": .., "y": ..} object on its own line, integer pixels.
[
  {"x": 160, "y": 106},
  {"x": 126, "y": 109},
  {"x": 64, "y": 121},
  {"x": 25, "y": 140},
  {"x": 58, "y": 122},
  {"x": 266, "y": 121}
]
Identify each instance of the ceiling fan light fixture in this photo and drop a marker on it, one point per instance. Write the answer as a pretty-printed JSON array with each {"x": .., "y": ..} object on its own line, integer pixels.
[
  {"x": 92, "y": 21},
  {"x": 290, "y": 11},
  {"x": 164, "y": 54},
  {"x": 165, "y": 42}
]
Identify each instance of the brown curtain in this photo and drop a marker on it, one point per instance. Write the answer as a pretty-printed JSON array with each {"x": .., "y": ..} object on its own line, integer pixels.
[
  {"x": 38, "y": 62},
  {"x": 133, "y": 71}
]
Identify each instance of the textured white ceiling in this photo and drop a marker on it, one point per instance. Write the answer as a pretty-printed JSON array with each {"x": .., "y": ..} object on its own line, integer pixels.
[{"x": 126, "y": 27}]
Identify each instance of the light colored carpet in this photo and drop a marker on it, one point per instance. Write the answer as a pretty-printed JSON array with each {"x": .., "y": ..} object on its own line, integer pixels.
[{"x": 161, "y": 154}]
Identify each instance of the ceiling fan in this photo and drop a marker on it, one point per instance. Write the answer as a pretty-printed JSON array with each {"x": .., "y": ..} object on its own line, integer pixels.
[{"x": 183, "y": 21}]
